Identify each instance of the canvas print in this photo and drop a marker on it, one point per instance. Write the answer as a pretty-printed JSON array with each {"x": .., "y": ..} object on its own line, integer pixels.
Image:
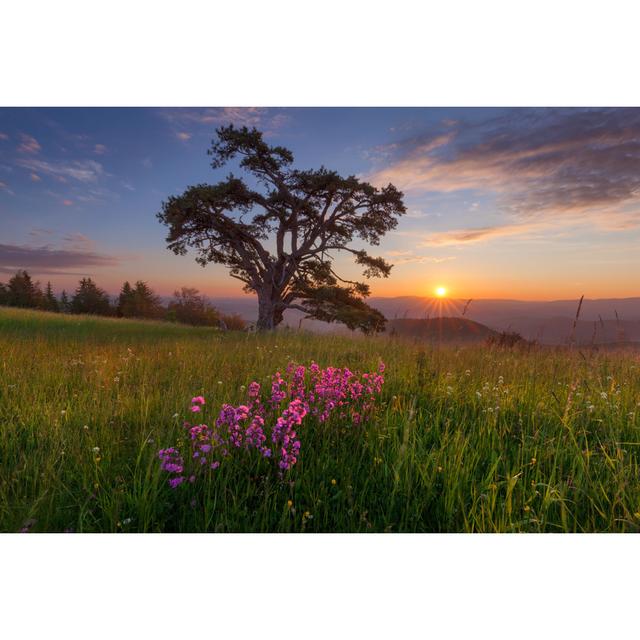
[{"x": 319, "y": 320}]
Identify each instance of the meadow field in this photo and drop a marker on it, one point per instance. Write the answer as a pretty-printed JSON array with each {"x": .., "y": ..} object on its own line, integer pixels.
[{"x": 463, "y": 439}]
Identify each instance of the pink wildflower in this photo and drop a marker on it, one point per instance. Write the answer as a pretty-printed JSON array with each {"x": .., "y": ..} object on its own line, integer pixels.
[{"x": 320, "y": 393}]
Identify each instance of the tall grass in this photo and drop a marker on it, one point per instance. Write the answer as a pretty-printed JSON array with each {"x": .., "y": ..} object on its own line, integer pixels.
[{"x": 465, "y": 439}]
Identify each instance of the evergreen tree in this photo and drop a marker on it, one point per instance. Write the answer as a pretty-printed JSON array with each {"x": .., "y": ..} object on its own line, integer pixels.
[
  {"x": 126, "y": 301},
  {"x": 65, "y": 305},
  {"x": 89, "y": 298},
  {"x": 139, "y": 301},
  {"x": 147, "y": 303},
  {"x": 50, "y": 302},
  {"x": 4, "y": 294},
  {"x": 23, "y": 291}
]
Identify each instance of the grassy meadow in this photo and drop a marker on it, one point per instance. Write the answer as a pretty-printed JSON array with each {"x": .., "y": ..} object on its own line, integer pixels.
[{"x": 464, "y": 439}]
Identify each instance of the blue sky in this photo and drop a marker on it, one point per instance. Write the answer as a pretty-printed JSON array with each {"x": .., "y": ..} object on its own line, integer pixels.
[{"x": 518, "y": 203}]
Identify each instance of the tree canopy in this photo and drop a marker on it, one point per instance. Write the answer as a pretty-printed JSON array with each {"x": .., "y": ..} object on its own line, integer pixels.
[
  {"x": 89, "y": 298},
  {"x": 138, "y": 301},
  {"x": 280, "y": 235}
]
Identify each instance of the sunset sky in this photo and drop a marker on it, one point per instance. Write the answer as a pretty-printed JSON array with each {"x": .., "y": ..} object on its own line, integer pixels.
[{"x": 502, "y": 203}]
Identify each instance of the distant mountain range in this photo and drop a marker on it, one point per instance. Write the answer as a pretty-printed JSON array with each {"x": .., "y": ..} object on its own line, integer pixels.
[{"x": 546, "y": 322}]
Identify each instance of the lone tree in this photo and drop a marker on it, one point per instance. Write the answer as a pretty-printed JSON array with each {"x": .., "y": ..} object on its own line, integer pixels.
[{"x": 280, "y": 235}]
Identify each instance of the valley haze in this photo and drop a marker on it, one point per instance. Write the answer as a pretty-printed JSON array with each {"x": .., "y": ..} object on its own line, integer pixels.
[{"x": 547, "y": 322}]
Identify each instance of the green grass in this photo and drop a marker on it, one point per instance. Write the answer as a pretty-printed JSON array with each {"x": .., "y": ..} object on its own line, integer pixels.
[{"x": 464, "y": 439}]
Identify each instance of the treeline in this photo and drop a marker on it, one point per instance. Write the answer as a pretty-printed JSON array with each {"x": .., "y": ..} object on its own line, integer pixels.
[{"x": 135, "y": 301}]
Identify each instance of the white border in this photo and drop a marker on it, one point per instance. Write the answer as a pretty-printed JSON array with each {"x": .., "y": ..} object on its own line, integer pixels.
[
  {"x": 337, "y": 52},
  {"x": 275, "y": 586},
  {"x": 284, "y": 52}
]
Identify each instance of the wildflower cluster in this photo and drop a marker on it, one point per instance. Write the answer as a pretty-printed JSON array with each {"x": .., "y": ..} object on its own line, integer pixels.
[{"x": 270, "y": 426}]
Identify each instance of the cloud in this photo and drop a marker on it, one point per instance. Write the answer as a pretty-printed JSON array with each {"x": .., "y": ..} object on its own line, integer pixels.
[
  {"x": 99, "y": 149},
  {"x": 39, "y": 232},
  {"x": 95, "y": 194},
  {"x": 86, "y": 171},
  {"x": 3, "y": 136},
  {"x": 473, "y": 235},
  {"x": 408, "y": 257},
  {"x": 78, "y": 242},
  {"x": 184, "y": 136},
  {"x": 67, "y": 203},
  {"x": 267, "y": 120},
  {"x": 5, "y": 187},
  {"x": 46, "y": 259},
  {"x": 35, "y": 177},
  {"x": 146, "y": 163},
  {"x": 28, "y": 144},
  {"x": 563, "y": 164}
]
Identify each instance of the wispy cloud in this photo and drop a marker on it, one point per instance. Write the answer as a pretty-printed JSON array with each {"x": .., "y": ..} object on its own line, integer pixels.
[
  {"x": 5, "y": 187},
  {"x": 568, "y": 164},
  {"x": 479, "y": 234},
  {"x": 99, "y": 149},
  {"x": 3, "y": 136},
  {"x": 78, "y": 242},
  {"x": 28, "y": 144},
  {"x": 409, "y": 257},
  {"x": 186, "y": 121},
  {"x": 86, "y": 171},
  {"x": 46, "y": 259},
  {"x": 40, "y": 232}
]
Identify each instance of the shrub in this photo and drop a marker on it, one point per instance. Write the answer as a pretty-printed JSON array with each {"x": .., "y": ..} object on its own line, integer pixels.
[{"x": 508, "y": 340}]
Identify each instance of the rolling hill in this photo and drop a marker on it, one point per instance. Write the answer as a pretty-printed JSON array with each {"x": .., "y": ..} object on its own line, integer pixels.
[{"x": 450, "y": 330}]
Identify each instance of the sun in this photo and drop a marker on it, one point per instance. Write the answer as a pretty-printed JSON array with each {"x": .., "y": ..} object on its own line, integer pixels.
[{"x": 441, "y": 292}]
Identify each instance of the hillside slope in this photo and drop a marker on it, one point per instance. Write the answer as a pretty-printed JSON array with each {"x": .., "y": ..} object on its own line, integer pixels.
[{"x": 451, "y": 330}]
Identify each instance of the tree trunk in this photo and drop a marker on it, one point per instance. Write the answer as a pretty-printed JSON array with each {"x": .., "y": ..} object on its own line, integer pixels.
[{"x": 267, "y": 314}]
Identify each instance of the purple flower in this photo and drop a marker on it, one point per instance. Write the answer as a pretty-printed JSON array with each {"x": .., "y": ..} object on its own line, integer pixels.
[{"x": 303, "y": 391}]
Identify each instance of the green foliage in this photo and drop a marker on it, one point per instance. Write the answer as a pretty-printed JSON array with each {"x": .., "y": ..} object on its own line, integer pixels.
[
  {"x": 466, "y": 439},
  {"x": 50, "y": 302},
  {"x": 91, "y": 299},
  {"x": 65, "y": 305},
  {"x": 189, "y": 307},
  {"x": 22, "y": 291},
  {"x": 139, "y": 301},
  {"x": 232, "y": 322}
]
